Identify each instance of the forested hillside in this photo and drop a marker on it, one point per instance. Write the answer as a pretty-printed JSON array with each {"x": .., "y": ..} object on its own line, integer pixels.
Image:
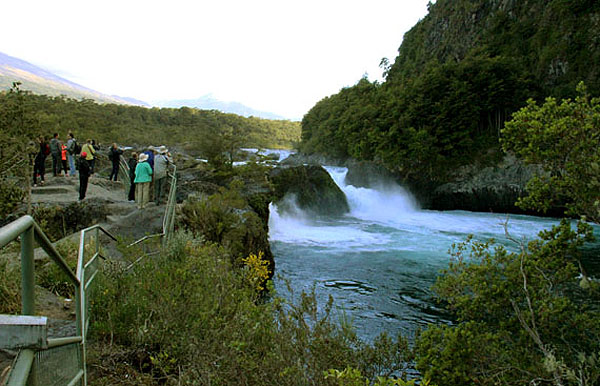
[
  {"x": 460, "y": 74},
  {"x": 131, "y": 125}
]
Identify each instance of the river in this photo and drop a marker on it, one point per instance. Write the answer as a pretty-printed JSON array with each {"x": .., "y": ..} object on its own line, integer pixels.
[{"x": 380, "y": 260}]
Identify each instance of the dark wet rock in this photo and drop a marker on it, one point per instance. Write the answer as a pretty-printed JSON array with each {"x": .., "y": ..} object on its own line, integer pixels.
[
  {"x": 313, "y": 188},
  {"x": 368, "y": 174},
  {"x": 298, "y": 159}
]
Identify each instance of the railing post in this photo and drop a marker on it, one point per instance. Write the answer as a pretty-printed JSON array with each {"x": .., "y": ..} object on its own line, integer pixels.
[{"x": 27, "y": 273}]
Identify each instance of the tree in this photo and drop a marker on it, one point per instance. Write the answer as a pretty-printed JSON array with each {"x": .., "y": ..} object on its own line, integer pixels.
[
  {"x": 16, "y": 153},
  {"x": 564, "y": 138},
  {"x": 220, "y": 146},
  {"x": 526, "y": 317}
]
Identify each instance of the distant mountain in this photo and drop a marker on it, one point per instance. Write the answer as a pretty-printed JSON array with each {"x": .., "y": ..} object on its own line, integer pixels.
[
  {"x": 40, "y": 81},
  {"x": 208, "y": 102}
]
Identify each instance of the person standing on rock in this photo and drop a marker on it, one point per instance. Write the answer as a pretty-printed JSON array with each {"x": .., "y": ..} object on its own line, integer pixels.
[
  {"x": 161, "y": 163},
  {"x": 39, "y": 163},
  {"x": 150, "y": 153},
  {"x": 90, "y": 152},
  {"x": 63, "y": 158},
  {"x": 143, "y": 177},
  {"x": 55, "y": 150},
  {"x": 115, "y": 157},
  {"x": 72, "y": 153},
  {"x": 132, "y": 163},
  {"x": 84, "y": 168}
]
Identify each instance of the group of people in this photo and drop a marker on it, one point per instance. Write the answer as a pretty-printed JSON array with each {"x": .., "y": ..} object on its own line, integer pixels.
[
  {"x": 62, "y": 153},
  {"x": 147, "y": 170}
]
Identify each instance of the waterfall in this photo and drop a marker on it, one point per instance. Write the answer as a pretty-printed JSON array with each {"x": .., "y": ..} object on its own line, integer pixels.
[{"x": 386, "y": 204}]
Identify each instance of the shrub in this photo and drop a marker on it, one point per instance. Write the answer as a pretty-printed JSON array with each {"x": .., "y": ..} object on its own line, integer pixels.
[
  {"x": 51, "y": 275},
  {"x": 522, "y": 317},
  {"x": 189, "y": 315},
  {"x": 10, "y": 288},
  {"x": 227, "y": 219},
  {"x": 11, "y": 196}
]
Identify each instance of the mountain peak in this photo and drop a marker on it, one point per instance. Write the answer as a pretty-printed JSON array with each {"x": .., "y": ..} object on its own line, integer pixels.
[{"x": 210, "y": 102}]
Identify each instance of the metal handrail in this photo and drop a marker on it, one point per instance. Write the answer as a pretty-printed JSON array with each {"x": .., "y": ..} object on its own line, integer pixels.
[
  {"x": 168, "y": 223},
  {"x": 28, "y": 230},
  {"x": 169, "y": 219}
]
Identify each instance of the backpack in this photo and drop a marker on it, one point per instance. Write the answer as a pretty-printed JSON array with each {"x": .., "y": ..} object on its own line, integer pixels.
[
  {"x": 46, "y": 149},
  {"x": 76, "y": 148}
]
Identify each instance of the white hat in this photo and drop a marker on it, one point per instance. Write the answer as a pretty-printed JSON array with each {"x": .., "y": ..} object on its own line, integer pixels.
[
  {"x": 163, "y": 149},
  {"x": 142, "y": 157}
]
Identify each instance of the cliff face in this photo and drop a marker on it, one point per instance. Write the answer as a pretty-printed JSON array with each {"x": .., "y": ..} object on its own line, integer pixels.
[
  {"x": 554, "y": 41},
  {"x": 490, "y": 189}
]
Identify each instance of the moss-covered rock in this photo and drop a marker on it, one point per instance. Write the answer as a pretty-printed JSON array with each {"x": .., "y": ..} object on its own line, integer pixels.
[{"x": 314, "y": 189}]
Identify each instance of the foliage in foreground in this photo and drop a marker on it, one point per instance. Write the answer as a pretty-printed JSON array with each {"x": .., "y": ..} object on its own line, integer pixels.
[
  {"x": 530, "y": 317},
  {"x": 10, "y": 288},
  {"x": 565, "y": 138},
  {"x": 188, "y": 315}
]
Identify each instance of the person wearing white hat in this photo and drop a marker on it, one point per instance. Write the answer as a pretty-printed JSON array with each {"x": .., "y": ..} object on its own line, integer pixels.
[
  {"x": 143, "y": 177},
  {"x": 161, "y": 163}
]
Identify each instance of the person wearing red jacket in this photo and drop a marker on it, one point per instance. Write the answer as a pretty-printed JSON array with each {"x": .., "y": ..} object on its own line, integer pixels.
[{"x": 63, "y": 159}]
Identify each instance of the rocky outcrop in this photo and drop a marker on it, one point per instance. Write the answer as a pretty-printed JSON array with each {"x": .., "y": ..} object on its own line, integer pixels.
[
  {"x": 491, "y": 189},
  {"x": 368, "y": 174},
  {"x": 312, "y": 187},
  {"x": 299, "y": 159}
]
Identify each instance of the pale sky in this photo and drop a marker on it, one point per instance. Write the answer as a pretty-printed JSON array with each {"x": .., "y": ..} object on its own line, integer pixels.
[{"x": 276, "y": 56}]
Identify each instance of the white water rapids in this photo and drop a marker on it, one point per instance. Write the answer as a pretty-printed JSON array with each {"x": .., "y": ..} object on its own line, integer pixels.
[{"x": 380, "y": 260}]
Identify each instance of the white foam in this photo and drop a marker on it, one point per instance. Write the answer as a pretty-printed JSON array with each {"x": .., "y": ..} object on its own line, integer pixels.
[{"x": 294, "y": 226}]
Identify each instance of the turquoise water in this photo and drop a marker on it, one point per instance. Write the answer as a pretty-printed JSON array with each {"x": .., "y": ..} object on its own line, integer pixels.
[{"x": 380, "y": 260}]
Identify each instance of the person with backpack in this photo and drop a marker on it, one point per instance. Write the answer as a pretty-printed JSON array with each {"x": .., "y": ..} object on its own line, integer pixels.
[
  {"x": 161, "y": 163},
  {"x": 73, "y": 150},
  {"x": 132, "y": 163},
  {"x": 90, "y": 152},
  {"x": 39, "y": 163},
  {"x": 55, "y": 150},
  {"x": 115, "y": 157},
  {"x": 84, "y": 174}
]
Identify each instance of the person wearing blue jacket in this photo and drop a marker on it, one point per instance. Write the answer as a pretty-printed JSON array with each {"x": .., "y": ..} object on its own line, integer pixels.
[{"x": 143, "y": 178}]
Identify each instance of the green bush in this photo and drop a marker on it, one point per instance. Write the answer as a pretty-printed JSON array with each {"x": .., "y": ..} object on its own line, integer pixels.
[
  {"x": 227, "y": 219},
  {"x": 60, "y": 221},
  {"x": 188, "y": 315},
  {"x": 521, "y": 317},
  {"x": 11, "y": 196},
  {"x": 10, "y": 288},
  {"x": 51, "y": 275}
]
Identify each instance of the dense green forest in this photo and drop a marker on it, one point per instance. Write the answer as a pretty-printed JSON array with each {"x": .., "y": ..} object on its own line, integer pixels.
[
  {"x": 459, "y": 75},
  {"x": 475, "y": 79},
  {"x": 134, "y": 125}
]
